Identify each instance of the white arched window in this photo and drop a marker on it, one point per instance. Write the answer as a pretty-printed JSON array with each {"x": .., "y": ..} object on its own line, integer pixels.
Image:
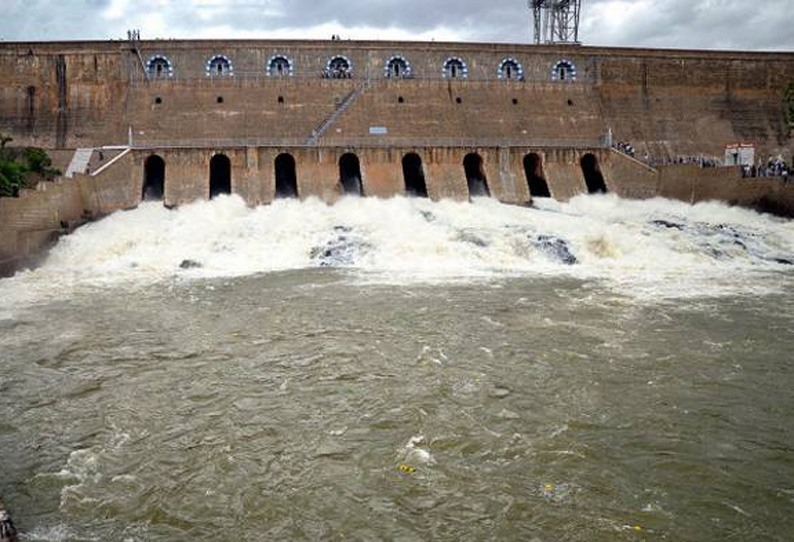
[
  {"x": 159, "y": 67},
  {"x": 564, "y": 71},
  {"x": 339, "y": 67},
  {"x": 511, "y": 70},
  {"x": 280, "y": 66},
  {"x": 455, "y": 68},
  {"x": 220, "y": 66},
  {"x": 398, "y": 67}
]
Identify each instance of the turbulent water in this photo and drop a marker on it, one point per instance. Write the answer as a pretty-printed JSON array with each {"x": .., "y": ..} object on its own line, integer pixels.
[{"x": 597, "y": 370}]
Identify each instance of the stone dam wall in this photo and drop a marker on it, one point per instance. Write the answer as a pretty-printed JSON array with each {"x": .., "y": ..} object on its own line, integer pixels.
[
  {"x": 186, "y": 102},
  {"x": 666, "y": 103}
]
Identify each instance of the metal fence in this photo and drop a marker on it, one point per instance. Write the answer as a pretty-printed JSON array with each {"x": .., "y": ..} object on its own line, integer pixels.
[{"x": 375, "y": 142}]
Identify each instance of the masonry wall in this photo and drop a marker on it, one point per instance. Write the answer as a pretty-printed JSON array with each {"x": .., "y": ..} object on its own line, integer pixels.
[{"x": 68, "y": 95}]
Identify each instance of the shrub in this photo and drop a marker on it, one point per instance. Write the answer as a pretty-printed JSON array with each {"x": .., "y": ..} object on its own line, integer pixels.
[
  {"x": 12, "y": 177},
  {"x": 20, "y": 168},
  {"x": 39, "y": 162}
]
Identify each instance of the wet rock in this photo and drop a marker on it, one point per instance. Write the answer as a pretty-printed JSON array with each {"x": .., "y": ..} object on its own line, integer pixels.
[
  {"x": 500, "y": 392},
  {"x": 343, "y": 229},
  {"x": 555, "y": 248},
  {"x": 468, "y": 237},
  {"x": 428, "y": 216},
  {"x": 667, "y": 224},
  {"x": 190, "y": 264},
  {"x": 340, "y": 251}
]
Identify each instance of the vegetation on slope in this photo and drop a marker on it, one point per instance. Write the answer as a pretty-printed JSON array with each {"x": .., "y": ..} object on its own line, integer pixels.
[{"x": 22, "y": 168}]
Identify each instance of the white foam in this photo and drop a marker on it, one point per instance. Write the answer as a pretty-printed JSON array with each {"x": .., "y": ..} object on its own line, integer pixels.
[{"x": 402, "y": 240}]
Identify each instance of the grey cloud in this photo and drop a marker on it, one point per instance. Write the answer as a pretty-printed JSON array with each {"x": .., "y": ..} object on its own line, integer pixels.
[{"x": 765, "y": 24}]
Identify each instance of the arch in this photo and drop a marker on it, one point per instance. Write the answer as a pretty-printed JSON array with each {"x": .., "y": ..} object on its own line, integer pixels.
[
  {"x": 339, "y": 67},
  {"x": 593, "y": 177},
  {"x": 280, "y": 66},
  {"x": 475, "y": 175},
  {"x": 455, "y": 68},
  {"x": 153, "y": 179},
  {"x": 159, "y": 67},
  {"x": 533, "y": 168},
  {"x": 511, "y": 70},
  {"x": 414, "y": 175},
  {"x": 564, "y": 71},
  {"x": 350, "y": 175},
  {"x": 286, "y": 176},
  {"x": 220, "y": 175},
  {"x": 220, "y": 66},
  {"x": 398, "y": 67}
]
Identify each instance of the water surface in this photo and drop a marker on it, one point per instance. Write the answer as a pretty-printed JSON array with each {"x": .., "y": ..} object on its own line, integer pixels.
[{"x": 402, "y": 370}]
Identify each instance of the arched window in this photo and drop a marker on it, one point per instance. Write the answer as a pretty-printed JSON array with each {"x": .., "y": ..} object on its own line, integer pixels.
[
  {"x": 280, "y": 66},
  {"x": 159, "y": 67},
  {"x": 455, "y": 68},
  {"x": 564, "y": 71},
  {"x": 398, "y": 67},
  {"x": 339, "y": 67},
  {"x": 511, "y": 69},
  {"x": 220, "y": 66}
]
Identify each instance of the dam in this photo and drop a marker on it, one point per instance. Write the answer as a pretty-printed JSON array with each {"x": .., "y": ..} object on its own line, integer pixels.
[
  {"x": 325, "y": 290},
  {"x": 185, "y": 120}
]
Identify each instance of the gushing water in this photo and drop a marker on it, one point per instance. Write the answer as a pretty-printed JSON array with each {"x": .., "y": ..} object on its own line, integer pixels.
[{"x": 656, "y": 248}]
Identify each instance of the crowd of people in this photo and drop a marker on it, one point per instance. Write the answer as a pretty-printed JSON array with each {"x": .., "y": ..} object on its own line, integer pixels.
[
  {"x": 687, "y": 159},
  {"x": 337, "y": 73},
  {"x": 774, "y": 167},
  {"x": 625, "y": 148},
  {"x": 700, "y": 160}
]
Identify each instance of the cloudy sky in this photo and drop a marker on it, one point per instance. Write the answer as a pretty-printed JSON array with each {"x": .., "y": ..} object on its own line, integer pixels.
[{"x": 712, "y": 24}]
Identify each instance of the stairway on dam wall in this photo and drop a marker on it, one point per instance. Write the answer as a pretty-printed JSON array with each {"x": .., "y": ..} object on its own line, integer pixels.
[
  {"x": 79, "y": 162},
  {"x": 345, "y": 104}
]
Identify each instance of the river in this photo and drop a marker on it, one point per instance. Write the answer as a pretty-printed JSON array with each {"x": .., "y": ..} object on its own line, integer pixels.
[{"x": 597, "y": 370}]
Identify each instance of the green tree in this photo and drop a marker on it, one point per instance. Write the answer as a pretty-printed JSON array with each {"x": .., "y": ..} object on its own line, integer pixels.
[
  {"x": 22, "y": 168},
  {"x": 12, "y": 177},
  {"x": 39, "y": 162}
]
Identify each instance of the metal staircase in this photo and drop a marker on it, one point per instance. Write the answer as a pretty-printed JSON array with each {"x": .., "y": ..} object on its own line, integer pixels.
[
  {"x": 79, "y": 162},
  {"x": 345, "y": 104},
  {"x": 134, "y": 39}
]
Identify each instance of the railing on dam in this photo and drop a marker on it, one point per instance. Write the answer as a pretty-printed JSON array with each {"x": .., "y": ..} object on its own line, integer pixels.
[{"x": 377, "y": 142}]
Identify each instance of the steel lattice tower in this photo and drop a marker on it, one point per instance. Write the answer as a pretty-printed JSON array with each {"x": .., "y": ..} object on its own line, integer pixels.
[{"x": 556, "y": 21}]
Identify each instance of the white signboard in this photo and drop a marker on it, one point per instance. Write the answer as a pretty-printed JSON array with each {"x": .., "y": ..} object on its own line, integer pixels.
[{"x": 740, "y": 154}]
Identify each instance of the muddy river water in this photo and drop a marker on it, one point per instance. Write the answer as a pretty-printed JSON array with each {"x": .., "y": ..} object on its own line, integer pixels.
[{"x": 601, "y": 370}]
